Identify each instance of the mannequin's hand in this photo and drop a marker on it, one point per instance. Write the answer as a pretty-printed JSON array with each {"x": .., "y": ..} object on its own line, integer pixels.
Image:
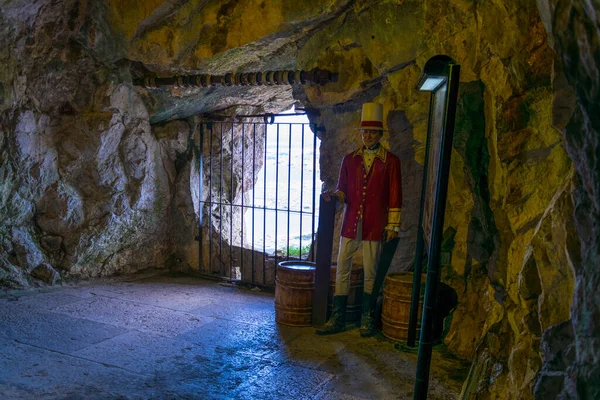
[
  {"x": 327, "y": 195},
  {"x": 390, "y": 235}
]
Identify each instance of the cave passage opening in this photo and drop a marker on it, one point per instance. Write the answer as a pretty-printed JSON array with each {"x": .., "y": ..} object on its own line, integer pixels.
[
  {"x": 286, "y": 208},
  {"x": 259, "y": 195}
]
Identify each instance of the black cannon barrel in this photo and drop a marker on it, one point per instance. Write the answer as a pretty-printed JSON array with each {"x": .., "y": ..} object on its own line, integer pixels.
[{"x": 315, "y": 76}]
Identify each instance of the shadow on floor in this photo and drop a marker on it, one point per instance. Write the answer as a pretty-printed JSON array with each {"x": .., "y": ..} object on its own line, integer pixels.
[{"x": 163, "y": 337}]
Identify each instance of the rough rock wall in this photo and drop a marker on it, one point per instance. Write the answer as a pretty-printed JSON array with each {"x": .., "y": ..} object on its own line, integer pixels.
[
  {"x": 84, "y": 186},
  {"x": 571, "y": 366},
  {"x": 67, "y": 99},
  {"x": 95, "y": 173},
  {"x": 509, "y": 195}
]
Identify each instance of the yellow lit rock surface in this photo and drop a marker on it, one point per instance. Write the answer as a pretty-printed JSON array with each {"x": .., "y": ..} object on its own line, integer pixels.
[{"x": 507, "y": 51}]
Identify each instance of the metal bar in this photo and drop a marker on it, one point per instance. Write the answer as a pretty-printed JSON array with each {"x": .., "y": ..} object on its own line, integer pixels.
[
  {"x": 323, "y": 262},
  {"x": 265, "y": 208},
  {"x": 217, "y": 121},
  {"x": 221, "y": 202},
  {"x": 242, "y": 209},
  {"x": 416, "y": 286},
  {"x": 271, "y": 115},
  {"x": 200, "y": 194},
  {"x": 231, "y": 208},
  {"x": 210, "y": 197},
  {"x": 257, "y": 116},
  {"x": 433, "y": 266},
  {"x": 289, "y": 188},
  {"x": 253, "y": 191},
  {"x": 314, "y": 188},
  {"x": 276, "y": 191},
  {"x": 301, "y": 188}
]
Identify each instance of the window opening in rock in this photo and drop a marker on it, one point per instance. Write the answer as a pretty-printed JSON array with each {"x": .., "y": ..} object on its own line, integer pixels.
[
  {"x": 289, "y": 142},
  {"x": 258, "y": 195}
]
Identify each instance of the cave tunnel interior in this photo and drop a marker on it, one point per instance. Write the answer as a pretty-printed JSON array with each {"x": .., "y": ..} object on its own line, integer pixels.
[{"x": 150, "y": 188}]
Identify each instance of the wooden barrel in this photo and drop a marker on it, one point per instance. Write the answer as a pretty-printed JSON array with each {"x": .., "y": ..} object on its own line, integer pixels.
[
  {"x": 354, "y": 295},
  {"x": 294, "y": 286},
  {"x": 397, "y": 292}
]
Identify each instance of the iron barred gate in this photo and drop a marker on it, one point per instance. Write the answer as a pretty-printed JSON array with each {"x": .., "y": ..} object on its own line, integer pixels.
[{"x": 257, "y": 196}]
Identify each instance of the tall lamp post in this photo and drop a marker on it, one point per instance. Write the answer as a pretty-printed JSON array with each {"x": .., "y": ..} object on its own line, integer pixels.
[{"x": 440, "y": 77}]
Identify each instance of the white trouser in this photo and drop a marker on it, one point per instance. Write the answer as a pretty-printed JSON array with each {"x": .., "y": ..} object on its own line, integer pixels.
[{"x": 371, "y": 253}]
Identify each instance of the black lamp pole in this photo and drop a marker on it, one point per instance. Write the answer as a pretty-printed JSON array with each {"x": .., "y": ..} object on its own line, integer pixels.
[
  {"x": 418, "y": 269},
  {"x": 433, "y": 266}
]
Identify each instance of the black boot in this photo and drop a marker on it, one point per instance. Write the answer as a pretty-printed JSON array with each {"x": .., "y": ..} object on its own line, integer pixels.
[
  {"x": 367, "y": 324},
  {"x": 337, "y": 322}
]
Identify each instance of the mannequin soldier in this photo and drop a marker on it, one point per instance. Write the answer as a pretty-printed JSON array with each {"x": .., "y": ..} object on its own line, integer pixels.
[{"x": 370, "y": 187}]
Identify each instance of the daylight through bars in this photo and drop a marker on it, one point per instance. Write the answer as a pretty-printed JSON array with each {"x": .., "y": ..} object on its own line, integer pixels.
[{"x": 265, "y": 184}]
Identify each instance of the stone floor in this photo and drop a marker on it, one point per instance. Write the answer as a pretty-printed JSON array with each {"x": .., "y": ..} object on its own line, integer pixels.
[{"x": 162, "y": 337}]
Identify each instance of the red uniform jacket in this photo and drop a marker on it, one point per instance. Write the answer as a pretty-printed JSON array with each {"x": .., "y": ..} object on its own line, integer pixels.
[{"x": 376, "y": 197}]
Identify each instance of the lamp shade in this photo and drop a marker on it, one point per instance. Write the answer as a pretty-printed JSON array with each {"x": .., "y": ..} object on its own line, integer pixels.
[{"x": 435, "y": 73}]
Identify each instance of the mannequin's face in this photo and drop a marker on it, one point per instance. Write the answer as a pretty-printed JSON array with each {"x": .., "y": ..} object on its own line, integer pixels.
[{"x": 370, "y": 136}]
